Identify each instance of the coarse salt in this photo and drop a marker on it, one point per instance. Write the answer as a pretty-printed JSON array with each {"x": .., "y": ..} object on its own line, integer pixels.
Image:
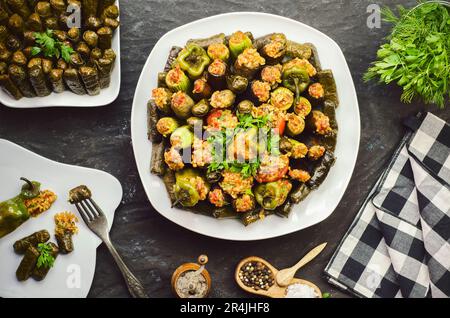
[{"x": 300, "y": 291}]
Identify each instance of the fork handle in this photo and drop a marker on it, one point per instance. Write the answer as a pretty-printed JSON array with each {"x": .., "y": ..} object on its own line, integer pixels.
[{"x": 134, "y": 285}]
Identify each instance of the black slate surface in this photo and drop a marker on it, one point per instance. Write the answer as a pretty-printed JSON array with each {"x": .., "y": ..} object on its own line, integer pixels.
[{"x": 100, "y": 138}]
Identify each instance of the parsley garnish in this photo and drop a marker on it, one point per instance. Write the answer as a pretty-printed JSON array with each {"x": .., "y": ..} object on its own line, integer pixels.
[
  {"x": 416, "y": 54},
  {"x": 50, "y": 47},
  {"x": 246, "y": 122},
  {"x": 45, "y": 258}
]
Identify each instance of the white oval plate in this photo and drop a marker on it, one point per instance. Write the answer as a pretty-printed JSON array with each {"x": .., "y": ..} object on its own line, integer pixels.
[
  {"x": 69, "y": 99},
  {"x": 319, "y": 204},
  {"x": 72, "y": 274}
]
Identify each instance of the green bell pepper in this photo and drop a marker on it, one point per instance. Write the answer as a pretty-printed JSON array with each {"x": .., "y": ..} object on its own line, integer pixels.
[
  {"x": 13, "y": 212},
  {"x": 296, "y": 79},
  {"x": 30, "y": 189},
  {"x": 273, "y": 194},
  {"x": 185, "y": 191},
  {"x": 193, "y": 59}
]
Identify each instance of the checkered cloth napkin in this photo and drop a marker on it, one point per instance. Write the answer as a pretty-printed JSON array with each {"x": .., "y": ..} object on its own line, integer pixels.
[{"x": 399, "y": 243}]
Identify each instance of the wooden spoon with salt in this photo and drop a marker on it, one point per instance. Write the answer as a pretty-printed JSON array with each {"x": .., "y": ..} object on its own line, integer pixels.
[{"x": 284, "y": 277}]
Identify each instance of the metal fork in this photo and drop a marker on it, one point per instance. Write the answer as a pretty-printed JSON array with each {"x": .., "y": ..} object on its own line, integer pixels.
[{"x": 96, "y": 220}]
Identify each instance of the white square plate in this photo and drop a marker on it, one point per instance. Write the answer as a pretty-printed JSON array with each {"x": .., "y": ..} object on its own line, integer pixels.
[
  {"x": 320, "y": 203},
  {"x": 72, "y": 274},
  {"x": 69, "y": 99}
]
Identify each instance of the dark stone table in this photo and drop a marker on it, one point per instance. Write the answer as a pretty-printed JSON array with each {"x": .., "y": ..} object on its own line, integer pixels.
[{"x": 100, "y": 138}]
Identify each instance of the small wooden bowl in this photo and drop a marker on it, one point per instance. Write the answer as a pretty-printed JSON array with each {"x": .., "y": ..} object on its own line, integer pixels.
[
  {"x": 275, "y": 291},
  {"x": 187, "y": 267}
]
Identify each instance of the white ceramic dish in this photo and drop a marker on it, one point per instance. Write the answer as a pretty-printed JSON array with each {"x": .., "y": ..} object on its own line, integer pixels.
[
  {"x": 72, "y": 274},
  {"x": 320, "y": 203},
  {"x": 69, "y": 99}
]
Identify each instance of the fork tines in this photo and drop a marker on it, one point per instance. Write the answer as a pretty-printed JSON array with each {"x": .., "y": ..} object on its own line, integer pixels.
[{"x": 89, "y": 210}]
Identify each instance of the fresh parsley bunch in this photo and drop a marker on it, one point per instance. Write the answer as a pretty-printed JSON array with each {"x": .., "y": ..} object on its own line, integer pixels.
[
  {"x": 51, "y": 47},
  {"x": 417, "y": 54}
]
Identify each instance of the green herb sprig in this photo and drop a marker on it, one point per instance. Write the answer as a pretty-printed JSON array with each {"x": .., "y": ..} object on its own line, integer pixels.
[
  {"x": 45, "y": 258},
  {"x": 246, "y": 169},
  {"x": 417, "y": 54},
  {"x": 247, "y": 121},
  {"x": 50, "y": 47}
]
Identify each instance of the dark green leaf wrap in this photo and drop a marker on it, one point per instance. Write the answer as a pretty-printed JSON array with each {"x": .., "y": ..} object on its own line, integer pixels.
[
  {"x": 300, "y": 193},
  {"x": 20, "y": 7},
  {"x": 9, "y": 86},
  {"x": 105, "y": 67},
  {"x": 157, "y": 165},
  {"x": 84, "y": 50},
  {"x": 111, "y": 23},
  {"x": 93, "y": 23},
  {"x": 225, "y": 212},
  {"x": 89, "y": 75},
  {"x": 65, "y": 242},
  {"x": 104, "y": 37},
  {"x": 27, "y": 264},
  {"x": 89, "y": 8},
  {"x": 44, "y": 9},
  {"x": 16, "y": 24},
  {"x": 34, "y": 239},
  {"x": 3, "y": 33},
  {"x": 153, "y": 117},
  {"x": 34, "y": 22},
  {"x": 56, "y": 79},
  {"x": 20, "y": 78},
  {"x": 204, "y": 43},
  {"x": 321, "y": 172},
  {"x": 174, "y": 51},
  {"x": 73, "y": 81},
  {"x": 37, "y": 80},
  {"x": 58, "y": 6},
  {"x": 51, "y": 23}
]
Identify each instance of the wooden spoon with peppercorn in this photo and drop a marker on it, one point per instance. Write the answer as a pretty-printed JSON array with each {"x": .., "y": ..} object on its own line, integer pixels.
[{"x": 257, "y": 276}]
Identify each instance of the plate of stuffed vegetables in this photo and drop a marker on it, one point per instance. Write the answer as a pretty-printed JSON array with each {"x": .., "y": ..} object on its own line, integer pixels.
[
  {"x": 246, "y": 133},
  {"x": 59, "y": 53},
  {"x": 46, "y": 249}
]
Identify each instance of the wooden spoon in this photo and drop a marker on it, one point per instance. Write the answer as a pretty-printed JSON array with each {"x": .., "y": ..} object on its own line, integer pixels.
[
  {"x": 275, "y": 291},
  {"x": 285, "y": 276}
]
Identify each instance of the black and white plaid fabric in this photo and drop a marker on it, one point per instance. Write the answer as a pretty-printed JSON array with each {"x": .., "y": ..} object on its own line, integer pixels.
[{"x": 399, "y": 243}]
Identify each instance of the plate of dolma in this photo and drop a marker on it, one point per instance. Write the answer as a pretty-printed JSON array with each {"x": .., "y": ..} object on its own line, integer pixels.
[
  {"x": 71, "y": 274},
  {"x": 181, "y": 196},
  {"x": 83, "y": 70}
]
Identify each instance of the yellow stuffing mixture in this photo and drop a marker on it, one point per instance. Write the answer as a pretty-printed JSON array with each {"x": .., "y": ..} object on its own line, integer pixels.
[
  {"x": 41, "y": 203},
  {"x": 66, "y": 222}
]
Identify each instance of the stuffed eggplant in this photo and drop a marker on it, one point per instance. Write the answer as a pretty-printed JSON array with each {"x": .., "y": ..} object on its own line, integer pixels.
[{"x": 236, "y": 88}]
